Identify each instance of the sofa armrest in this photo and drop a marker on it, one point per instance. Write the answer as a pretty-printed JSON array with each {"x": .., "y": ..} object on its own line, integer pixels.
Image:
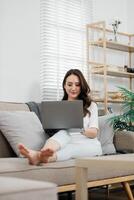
[{"x": 124, "y": 141}]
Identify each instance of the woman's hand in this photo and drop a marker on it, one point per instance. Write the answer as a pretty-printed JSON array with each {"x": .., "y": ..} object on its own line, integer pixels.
[{"x": 90, "y": 132}]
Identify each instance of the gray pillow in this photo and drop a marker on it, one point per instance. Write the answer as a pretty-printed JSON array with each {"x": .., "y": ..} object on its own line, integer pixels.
[
  {"x": 124, "y": 141},
  {"x": 106, "y": 135},
  {"x": 22, "y": 127}
]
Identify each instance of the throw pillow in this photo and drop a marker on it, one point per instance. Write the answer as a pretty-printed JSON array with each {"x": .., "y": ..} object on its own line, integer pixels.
[
  {"x": 106, "y": 135},
  {"x": 124, "y": 141},
  {"x": 22, "y": 127}
]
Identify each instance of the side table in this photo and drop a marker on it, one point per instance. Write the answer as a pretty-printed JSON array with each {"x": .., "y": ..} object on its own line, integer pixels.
[{"x": 104, "y": 170}]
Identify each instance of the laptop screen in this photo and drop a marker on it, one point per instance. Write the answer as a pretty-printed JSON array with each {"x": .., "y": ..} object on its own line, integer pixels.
[{"x": 62, "y": 114}]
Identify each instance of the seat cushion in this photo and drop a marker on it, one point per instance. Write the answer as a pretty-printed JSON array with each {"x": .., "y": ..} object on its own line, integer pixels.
[
  {"x": 16, "y": 188},
  {"x": 54, "y": 172},
  {"x": 51, "y": 172}
]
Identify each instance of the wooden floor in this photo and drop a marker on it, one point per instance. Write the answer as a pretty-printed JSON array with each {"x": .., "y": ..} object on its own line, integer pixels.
[
  {"x": 100, "y": 194},
  {"x": 114, "y": 194}
]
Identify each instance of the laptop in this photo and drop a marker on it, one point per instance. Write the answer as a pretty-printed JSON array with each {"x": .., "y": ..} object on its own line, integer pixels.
[{"x": 62, "y": 114}]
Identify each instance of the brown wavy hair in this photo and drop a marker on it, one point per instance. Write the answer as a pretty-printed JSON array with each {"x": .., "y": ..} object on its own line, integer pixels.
[{"x": 85, "y": 89}]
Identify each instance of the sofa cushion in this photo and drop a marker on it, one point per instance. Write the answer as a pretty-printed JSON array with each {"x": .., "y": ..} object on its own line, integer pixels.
[
  {"x": 51, "y": 172},
  {"x": 106, "y": 135},
  {"x": 5, "y": 148},
  {"x": 22, "y": 127},
  {"x": 54, "y": 172},
  {"x": 16, "y": 188},
  {"x": 124, "y": 141}
]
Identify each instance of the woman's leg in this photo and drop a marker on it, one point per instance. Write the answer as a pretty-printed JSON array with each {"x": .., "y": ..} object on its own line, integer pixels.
[
  {"x": 50, "y": 146},
  {"x": 55, "y": 143},
  {"x": 76, "y": 150},
  {"x": 48, "y": 152}
]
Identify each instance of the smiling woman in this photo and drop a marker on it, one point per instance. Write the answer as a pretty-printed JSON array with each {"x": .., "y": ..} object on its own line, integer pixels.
[
  {"x": 72, "y": 87},
  {"x": 62, "y": 42},
  {"x": 68, "y": 144}
]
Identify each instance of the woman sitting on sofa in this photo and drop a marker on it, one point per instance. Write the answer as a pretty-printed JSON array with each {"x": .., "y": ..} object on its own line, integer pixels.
[{"x": 65, "y": 144}]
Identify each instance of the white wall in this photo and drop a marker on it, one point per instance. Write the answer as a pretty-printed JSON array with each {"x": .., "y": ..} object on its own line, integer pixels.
[
  {"x": 108, "y": 10},
  {"x": 19, "y": 50},
  {"x": 19, "y": 43},
  {"x": 130, "y": 16}
]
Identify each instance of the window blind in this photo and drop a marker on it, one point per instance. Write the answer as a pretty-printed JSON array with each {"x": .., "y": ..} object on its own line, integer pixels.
[{"x": 62, "y": 42}]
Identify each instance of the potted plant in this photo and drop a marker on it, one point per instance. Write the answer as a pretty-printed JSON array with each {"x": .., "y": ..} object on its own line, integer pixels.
[{"x": 125, "y": 120}]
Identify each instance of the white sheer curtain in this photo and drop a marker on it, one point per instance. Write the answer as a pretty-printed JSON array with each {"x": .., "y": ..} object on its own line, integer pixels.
[{"x": 62, "y": 42}]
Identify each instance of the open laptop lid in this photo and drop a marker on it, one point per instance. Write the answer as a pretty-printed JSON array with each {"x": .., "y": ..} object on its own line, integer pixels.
[{"x": 62, "y": 114}]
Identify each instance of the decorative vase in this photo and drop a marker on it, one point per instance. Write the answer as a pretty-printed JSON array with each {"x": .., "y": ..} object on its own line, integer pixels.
[{"x": 115, "y": 26}]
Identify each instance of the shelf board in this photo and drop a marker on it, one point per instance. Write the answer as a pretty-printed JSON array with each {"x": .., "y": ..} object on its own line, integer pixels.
[
  {"x": 120, "y": 47},
  {"x": 98, "y": 100},
  {"x": 117, "y": 71},
  {"x": 115, "y": 101},
  {"x": 114, "y": 73},
  {"x": 113, "y": 45},
  {"x": 109, "y": 101},
  {"x": 97, "y": 26}
]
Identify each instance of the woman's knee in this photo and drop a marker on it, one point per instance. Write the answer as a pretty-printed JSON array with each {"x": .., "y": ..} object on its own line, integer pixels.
[
  {"x": 52, "y": 144},
  {"x": 62, "y": 137}
]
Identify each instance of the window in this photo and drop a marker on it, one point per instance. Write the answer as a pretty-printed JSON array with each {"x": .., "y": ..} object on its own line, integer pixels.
[{"x": 62, "y": 42}]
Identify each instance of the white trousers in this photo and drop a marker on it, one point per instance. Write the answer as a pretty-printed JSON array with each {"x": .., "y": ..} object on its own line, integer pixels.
[{"x": 75, "y": 145}]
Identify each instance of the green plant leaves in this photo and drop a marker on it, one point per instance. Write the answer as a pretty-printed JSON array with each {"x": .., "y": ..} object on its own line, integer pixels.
[{"x": 124, "y": 121}]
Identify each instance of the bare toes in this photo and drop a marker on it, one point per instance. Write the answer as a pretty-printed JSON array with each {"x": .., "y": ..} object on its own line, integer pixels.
[
  {"x": 45, "y": 155},
  {"x": 47, "y": 152}
]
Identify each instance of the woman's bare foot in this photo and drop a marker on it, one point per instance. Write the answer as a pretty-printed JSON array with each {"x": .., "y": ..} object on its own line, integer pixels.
[
  {"x": 32, "y": 156},
  {"x": 45, "y": 154}
]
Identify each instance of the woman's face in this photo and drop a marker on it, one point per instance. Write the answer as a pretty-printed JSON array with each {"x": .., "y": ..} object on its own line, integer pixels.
[{"x": 72, "y": 87}]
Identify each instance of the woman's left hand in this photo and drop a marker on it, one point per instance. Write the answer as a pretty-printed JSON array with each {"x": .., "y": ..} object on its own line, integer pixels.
[{"x": 90, "y": 132}]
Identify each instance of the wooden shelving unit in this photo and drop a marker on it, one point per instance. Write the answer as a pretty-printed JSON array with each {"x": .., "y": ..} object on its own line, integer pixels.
[{"x": 103, "y": 68}]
